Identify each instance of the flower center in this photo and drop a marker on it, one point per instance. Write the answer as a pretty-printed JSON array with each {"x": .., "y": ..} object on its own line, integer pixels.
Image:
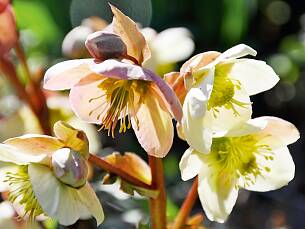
[
  {"x": 236, "y": 157},
  {"x": 224, "y": 90},
  {"x": 122, "y": 96},
  {"x": 22, "y": 192}
]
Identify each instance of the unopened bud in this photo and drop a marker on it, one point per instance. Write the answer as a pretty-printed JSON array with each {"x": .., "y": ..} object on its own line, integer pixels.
[
  {"x": 105, "y": 45},
  {"x": 70, "y": 167}
]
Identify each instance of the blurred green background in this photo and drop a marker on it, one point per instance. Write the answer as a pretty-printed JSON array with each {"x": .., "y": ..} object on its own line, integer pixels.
[{"x": 275, "y": 28}]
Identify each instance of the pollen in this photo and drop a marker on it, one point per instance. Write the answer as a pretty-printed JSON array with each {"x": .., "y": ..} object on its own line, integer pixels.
[
  {"x": 22, "y": 193},
  {"x": 223, "y": 91},
  {"x": 237, "y": 157},
  {"x": 122, "y": 98}
]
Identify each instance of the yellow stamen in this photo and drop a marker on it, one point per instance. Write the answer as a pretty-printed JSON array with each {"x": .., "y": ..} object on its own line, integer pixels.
[
  {"x": 121, "y": 97},
  {"x": 224, "y": 90},
  {"x": 23, "y": 193}
]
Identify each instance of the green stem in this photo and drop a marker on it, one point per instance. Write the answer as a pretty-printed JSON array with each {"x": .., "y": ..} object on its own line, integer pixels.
[
  {"x": 157, "y": 205},
  {"x": 187, "y": 206}
]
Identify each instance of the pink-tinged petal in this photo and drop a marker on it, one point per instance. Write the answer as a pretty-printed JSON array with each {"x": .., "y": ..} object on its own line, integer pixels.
[
  {"x": 278, "y": 132},
  {"x": 153, "y": 125},
  {"x": 168, "y": 96},
  {"x": 8, "y": 33},
  {"x": 88, "y": 101},
  {"x": 34, "y": 144},
  {"x": 3, "y": 5},
  {"x": 66, "y": 74},
  {"x": 118, "y": 70}
]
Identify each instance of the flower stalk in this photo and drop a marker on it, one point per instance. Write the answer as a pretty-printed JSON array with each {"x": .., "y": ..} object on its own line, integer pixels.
[
  {"x": 103, "y": 164},
  {"x": 158, "y": 205},
  {"x": 186, "y": 206}
]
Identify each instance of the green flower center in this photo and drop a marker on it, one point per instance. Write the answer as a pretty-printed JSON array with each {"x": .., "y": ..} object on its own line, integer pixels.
[
  {"x": 224, "y": 90},
  {"x": 235, "y": 157},
  {"x": 22, "y": 192},
  {"x": 121, "y": 97}
]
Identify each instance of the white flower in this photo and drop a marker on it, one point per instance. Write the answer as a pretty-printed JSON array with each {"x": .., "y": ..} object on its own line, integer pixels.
[
  {"x": 168, "y": 47},
  {"x": 47, "y": 175},
  {"x": 219, "y": 90},
  {"x": 253, "y": 156}
]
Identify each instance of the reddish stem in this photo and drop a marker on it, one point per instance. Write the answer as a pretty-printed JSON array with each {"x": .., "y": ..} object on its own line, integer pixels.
[
  {"x": 187, "y": 206},
  {"x": 157, "y": 205},
  {"x": 101, "y": 163}
]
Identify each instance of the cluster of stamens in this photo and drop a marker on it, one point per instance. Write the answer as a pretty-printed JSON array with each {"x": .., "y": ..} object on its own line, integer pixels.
[
  {"x": 236, "y": 157},
  {"x": 22, "y": 192},
  {"x": 223, "y": 91},
  {"x": 120, "y": 96}
]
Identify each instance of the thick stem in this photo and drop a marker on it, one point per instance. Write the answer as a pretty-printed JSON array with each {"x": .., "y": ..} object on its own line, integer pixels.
[
  {"x": 157, "y": 205},
  {"x": 187, "y": 206},
  {"x": 101, "y": 163}
]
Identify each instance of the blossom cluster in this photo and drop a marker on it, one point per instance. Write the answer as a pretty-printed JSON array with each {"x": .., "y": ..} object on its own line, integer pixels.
[{"x": 117, "y": 88}]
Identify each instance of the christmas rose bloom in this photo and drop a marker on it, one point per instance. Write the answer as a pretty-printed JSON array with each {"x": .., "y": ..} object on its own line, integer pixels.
[
  {"x": 113, "y": 88},
  {"x": 219, "y": 86},
  {"x": 48, "y": 175},
  {"x": 253, "y": 156}
]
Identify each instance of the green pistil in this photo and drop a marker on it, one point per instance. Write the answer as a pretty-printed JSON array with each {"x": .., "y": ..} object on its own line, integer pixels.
[
  {"x": 22, "y": 192},
  {"x": 223, "y": 91},
  {"x": 236, "y": 157}
]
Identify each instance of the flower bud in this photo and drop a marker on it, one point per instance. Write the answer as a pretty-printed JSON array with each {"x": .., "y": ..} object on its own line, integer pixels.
[
  {"x": 3, "y": 5},
  {"x": 8, "y": 33},
  {"x": 70, "y": 167},
  {"x": 105, "y": 45}
]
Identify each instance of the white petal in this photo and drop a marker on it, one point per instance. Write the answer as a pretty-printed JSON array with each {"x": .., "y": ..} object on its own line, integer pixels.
[
  {"x": 190, "y": 164},
  {"x": 236, "y": 52},
  {"x": 66, "y": 74},
  {"x": 13, "y": 155},
  {"x": 282, "y": 171},
  {"x": 89, "y": 198},
  {"x": 57, "y": 200},
  {"x": 149, "y": 34},
  {"x": 282, "y": 132},
  {"x": 173, "y": 45},
  {"x": 217, "y": 201},
  {"x": 255, "y": 76},
  {"x": 225, "y": 118},
  {"x": 194, "y": 109}
]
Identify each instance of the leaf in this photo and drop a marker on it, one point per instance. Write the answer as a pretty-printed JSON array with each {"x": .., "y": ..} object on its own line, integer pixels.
[
  {"x": 132, "y": 164},
  {"x": 137, "y": 46}
]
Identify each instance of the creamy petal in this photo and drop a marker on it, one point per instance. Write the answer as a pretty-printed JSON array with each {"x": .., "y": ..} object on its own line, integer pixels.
[
  {"x": 194, "y": 110},
  {"x": 235, "y": 52},
  {"x": 190, "y": 164},
  {"x": 65, "y": 75},
  {"x": 90, "y": 200},
  {"x": 276, "y": 173},
  {"x": 278, "y": 131},
  {"x": 173, "y": 45},
  {"x": 57, "y": 200},
  {"x": 84, "y": 104},
  {"x": 154, "y": 128},
  {"x": 217, "y": 200},
  {"x": 255, "y": 76}
]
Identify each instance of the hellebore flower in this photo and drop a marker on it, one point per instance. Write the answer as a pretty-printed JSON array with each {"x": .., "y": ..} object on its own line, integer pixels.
[
  {"x": 8, "y": 33},
  {"x": 253, "y": 156},
  {"x": 219, "y": 88},
  {"x": 168, "y": 47},
  {"x": 48, "y": 175},
  {"x": 113, "y": 88}
]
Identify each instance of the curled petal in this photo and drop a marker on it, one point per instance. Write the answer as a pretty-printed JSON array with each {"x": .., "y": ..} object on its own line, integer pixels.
[
  {"x": 128, "y": 30},
  {"x": 190, "y": 164},
  {"x": 173, "y": 45},
  {"x": 58, "y": 200},
  {"x": 66, "y": 74},
  {"x": 236, "y": 52},
  {"x": 255, "y": 76},
  {"x": 153, "y": 125},
  {"x": 275, "y": 173}
]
